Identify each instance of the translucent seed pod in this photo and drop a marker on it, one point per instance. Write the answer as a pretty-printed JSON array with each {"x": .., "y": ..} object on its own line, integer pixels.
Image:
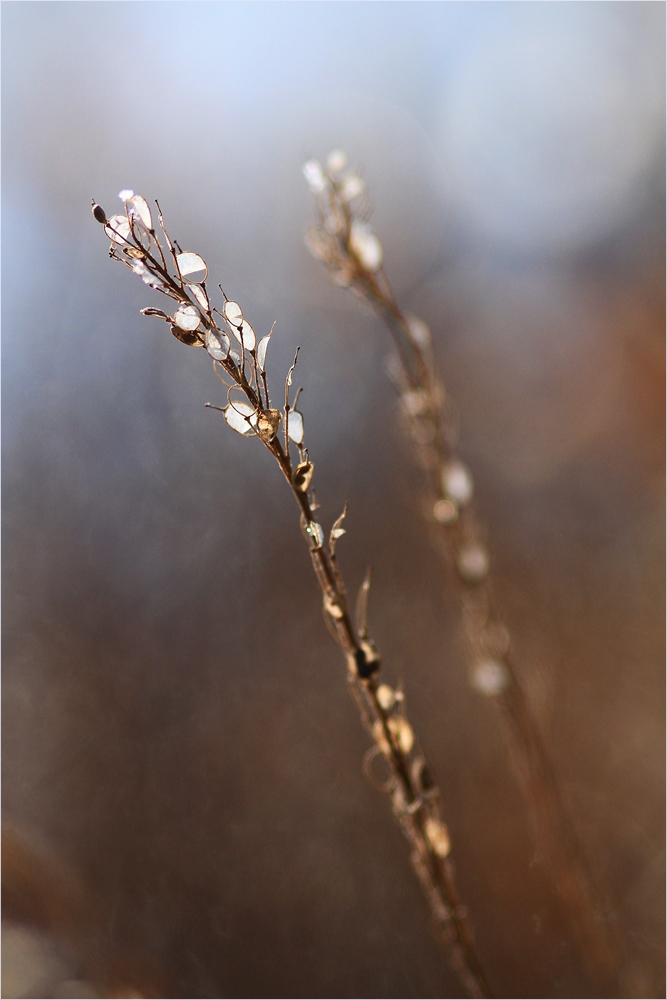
[
  {"x": 316, "y": 533},
  {"x": 312, "y": 171},
  {"x": 336, "y": 161},
  {"x": 217, "y": 344},
  {"x": 457, "y": 483},
  {"x": 489, "y": 677},
  {"x": 402, "y": 732},
  {"x": 232, "y": 312},
  {"x": 241, "y": 417},
  {"x": 295, "y": 429},
  {"x": 445, "y": 511},
  {"x": 138, "y": 208},
  {"x": 186, "y": 317},
  {"x": 386, "y": 697},
  {"x": 142, "y": 271},
  {"x": 191, "y": 267},
  {"x": 352, "y": 187},
  {"x": 261, "y": 352},
  {"x": 200, "y": 295},
  {"x": 247, "y": 335},
  {"x": 473, "y": 562},
  {"x": 366, "y": 246},
  {"x": 437, "y": 836},
  {"x": 118, "y": 229},
  {"x": 419, "y": 332}
]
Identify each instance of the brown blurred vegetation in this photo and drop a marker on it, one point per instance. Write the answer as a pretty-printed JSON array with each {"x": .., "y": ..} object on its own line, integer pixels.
[{"x": 182, "y": 763}]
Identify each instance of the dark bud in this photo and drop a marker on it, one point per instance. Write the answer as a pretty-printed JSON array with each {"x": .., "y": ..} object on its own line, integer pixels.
[
  {"x": 189, "y": 337},
  {"x": 98, "y": 214},
  {"x": 366, "y": 660}
]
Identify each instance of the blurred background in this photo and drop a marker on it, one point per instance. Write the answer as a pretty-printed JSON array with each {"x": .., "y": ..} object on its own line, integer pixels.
[{"x": 185, "y": 813}]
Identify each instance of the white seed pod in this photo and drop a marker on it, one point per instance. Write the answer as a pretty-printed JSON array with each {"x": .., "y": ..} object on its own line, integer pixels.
[
  {"x": 336, "y": 161},
  {"x": 365, "y": 246},
  {"x": 118, "y": 229},
  {"x": 138, "y": 208},
  {"x": 419, "y": 332},
  {"x": 191, "y": 267},
  {"x": 316, "y": 533},
  {"x": 473, "y": 562},
  {"x": 457, "y": 483},
  {"x": 247, "y": 335},
  {"x": 386, "y": 697},
  {"x": 312, "y": 171},
  {"x": 489, "y": 677},
  {"x": 140, "y": 268},
  {"x": 200, "y": 295},
  {"x": 241, "y": 417},
  {"x": 217, "y": 344},
  {"x": 232, "y": 312},
  {"x": 402, "y": 732},
  {"x": 295, "y": 429},
  {"x": 437, "y": 836},
  {"x": 352, "y": 187},
  {"x": 261, "y": 352},
  {"x": 186, "y": 317}
]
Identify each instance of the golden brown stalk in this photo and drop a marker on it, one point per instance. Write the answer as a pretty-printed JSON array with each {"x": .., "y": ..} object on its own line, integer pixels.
[
  {"x": 414, "y": 796},
  {"x": 353, "y": 255}
]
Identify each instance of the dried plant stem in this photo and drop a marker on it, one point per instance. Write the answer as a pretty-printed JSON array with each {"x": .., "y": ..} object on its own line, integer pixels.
[
  {"x": 414, "y": 796},
  {"x": 353, "y": 255}
]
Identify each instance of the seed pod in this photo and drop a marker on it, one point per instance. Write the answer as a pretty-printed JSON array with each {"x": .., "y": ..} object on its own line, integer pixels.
[
  {"x": 98, "y": 214},
  {"x": 268, "y": 422},
  {"x": 188, "y": 337},
  {"x": 302, "y": 476},
  {"x": 437, "y": 836}
]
